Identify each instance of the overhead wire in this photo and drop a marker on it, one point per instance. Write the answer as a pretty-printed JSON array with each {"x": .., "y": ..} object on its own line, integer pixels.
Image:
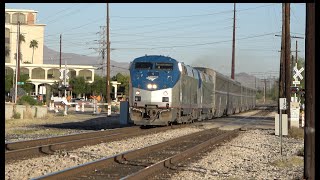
[{"x": 209, "y": 43}]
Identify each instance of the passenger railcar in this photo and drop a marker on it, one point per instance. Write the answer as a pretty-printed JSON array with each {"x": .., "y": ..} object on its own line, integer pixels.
[{"x": 164, "y": 91}]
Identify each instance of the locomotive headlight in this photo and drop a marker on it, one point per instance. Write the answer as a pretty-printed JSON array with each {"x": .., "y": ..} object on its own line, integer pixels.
[
  {"x": 154, "y": 86},
  {"x": 149, "y": 86},
  {"x": 137, "y": 92}
]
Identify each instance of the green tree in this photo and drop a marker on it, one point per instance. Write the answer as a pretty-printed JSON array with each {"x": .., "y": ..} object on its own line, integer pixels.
[
  {"x": 78, "y": 85},
  {"x": 54, "y": 88},
  {"x": 21, "y": 39},
  {"x": 33, "y": 45},
  {"x": 8, "y": 83},
  {"x": 98, "y": 87},
  {"x": 28, "y": 87},
  {"x": 124, "y": 80}
]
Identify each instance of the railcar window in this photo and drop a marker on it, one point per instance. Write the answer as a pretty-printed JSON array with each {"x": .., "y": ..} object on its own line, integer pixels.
[
  {"x": 164, "y": 66},
  {"x": 143, "y": 65}
]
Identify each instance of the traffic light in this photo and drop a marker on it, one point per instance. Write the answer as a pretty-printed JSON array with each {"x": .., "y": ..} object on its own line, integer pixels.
[{"x": 294, "y": 89}]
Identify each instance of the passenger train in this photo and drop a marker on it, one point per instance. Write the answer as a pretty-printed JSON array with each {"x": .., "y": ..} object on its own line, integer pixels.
[{"x": 165, "y": 91}]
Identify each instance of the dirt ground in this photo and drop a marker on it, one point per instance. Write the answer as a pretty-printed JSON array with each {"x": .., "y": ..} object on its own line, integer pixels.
[{"x": 57, "y": 124}]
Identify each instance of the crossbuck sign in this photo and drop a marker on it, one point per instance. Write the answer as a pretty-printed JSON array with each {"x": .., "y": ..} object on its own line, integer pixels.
[{"x": 298, "y": 73}]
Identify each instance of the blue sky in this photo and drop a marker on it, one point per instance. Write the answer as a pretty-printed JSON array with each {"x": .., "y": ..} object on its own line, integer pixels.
[{"x": 198, "y": 34}]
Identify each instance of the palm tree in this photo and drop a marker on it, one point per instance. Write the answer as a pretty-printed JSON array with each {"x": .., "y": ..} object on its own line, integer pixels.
[
  {"x": 21, "y": 39},
  {"x": 33, "y": 44}
]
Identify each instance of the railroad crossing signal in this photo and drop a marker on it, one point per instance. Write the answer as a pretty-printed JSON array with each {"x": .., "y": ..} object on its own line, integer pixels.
[
  {"x": 64, "y": 74},
  {"x": 298, "y": 73},
  {"x": 295, "y": 89}
]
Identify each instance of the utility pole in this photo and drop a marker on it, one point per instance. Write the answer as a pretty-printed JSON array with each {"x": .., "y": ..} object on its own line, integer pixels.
[
  {"x": 265, "y": 88},
  {"x": 233, "y": 40},
  {"x": 102, "y": 47},
  {"x": 296, "y": 51},
  {"x": 17, "y": 65},
  {"x": 102, "y": 51},
  {"x": 108, "y": 60},
  {"x": 60, "y": 52},
  {"x": 19, "y": 52},
  {"x": 309, "y": 129},
  {"x": 282, "y": 67},
  {"x": 287, "y": 58},
  {"x": 292, "y": 64},
  {"x": 60, "y": 65}
]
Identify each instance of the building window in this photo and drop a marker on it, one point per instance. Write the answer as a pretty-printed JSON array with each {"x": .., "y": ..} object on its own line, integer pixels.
[
  {"x": 7, "y": 35},
  {"x": 30, "y": 18},
  {"x": 7, "y": 18},
  {"x": 7, "y": 46},
  {"x": 18, "y": 17}
]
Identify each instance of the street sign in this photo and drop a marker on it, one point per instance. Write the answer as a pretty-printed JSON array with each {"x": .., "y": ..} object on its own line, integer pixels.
[
  {"x": 283, "y": 103},
  {"x": 20, "y": 83},
  {"x": 296, "y": 82}
]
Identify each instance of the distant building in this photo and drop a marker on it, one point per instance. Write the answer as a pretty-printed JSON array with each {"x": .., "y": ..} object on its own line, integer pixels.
[
  {"x": 29, "y": 29},
  {"x": 32, "y": 59}
]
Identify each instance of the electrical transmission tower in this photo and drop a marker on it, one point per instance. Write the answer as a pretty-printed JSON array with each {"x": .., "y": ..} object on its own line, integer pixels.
[{"x": 101, "y": 49}]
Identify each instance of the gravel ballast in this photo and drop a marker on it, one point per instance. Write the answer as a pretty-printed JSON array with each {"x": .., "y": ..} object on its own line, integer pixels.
[{"x": 253, "y": 154}]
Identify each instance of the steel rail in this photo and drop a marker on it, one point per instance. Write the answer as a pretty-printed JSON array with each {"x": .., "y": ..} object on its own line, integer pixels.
[
  {"x": 68, "y": 144},
  {"x": 116, "y": 159}
]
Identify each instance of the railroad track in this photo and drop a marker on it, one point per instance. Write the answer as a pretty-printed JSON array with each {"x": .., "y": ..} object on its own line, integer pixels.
[
  {"x": 46, "y": 146},
  {"x": 145, "y": 162}
]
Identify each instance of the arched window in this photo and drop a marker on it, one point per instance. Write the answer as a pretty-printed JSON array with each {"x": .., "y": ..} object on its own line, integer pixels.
[
  {"x": 7, "y": 18},
  {"x": 86, "y": 74},
  {"x": 30, "y": 18},
  {"x": 7, "y": 35},
  {"x": 18, "y": 17}
]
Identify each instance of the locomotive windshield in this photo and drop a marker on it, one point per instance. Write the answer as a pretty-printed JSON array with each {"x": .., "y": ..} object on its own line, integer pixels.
[
  {"x": 143, "y": 65},
  {"x": 164, "y": 66}
]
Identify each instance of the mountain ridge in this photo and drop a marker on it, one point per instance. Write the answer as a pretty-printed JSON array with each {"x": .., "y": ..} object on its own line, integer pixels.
[{"x": 52, "y": 57}]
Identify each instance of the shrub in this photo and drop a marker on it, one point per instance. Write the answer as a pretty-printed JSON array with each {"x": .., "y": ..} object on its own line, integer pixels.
[
  {"x": 27, "y": 100},
  {"x": 114, "y": 108},
  {"x": 16, "y": 115}
]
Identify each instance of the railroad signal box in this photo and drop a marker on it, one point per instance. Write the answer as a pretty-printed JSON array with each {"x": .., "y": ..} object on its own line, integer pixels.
[{"x": 294, "y": 114}]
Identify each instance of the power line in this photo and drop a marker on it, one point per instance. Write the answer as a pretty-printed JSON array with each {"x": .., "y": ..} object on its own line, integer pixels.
[
  {"x": 54, "y": 14},
  {"x": 195, "y": 15},
  {"x": 201, "y": 44},
  {"x": 144, "y": 26}
]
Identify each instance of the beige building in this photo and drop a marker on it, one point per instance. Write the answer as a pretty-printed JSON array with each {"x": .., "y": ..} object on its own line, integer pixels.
[
  {"x": 29, "y": 29},
  {"x": 32, "y": 59}
]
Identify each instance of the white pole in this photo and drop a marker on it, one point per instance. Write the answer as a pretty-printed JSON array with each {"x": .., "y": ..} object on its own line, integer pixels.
[
  {"x": 17, "y": 61},
  {"x": 65, "y": 91},
  {"x": 280, "y": 131}
]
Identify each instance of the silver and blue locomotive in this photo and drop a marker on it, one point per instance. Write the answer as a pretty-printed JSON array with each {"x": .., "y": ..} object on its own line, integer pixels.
[{"x": 164, "y": 91}]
